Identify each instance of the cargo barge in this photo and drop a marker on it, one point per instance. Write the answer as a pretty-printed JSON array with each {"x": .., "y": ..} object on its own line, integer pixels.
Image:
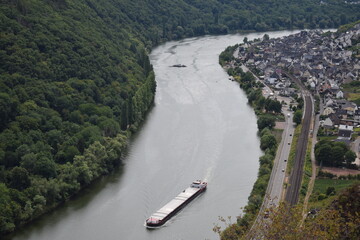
[{"x": 170, "y": 209}]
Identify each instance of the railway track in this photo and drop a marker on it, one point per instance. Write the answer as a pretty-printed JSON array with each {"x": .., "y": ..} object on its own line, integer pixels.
[
  {"x": 292, "y": 193},
  {"x": 294, "y": 184}
]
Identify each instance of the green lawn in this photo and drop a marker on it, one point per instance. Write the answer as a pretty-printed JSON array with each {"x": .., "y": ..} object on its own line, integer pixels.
[
  {"x": 291, "y": 159},
  {"x": 278, "y": 134},
  {"x": 321, "y": 186},
  {"x": 326, "y": 138},
  {"x": 353, "y": 96},
  {"x": 307, "y": 173}
]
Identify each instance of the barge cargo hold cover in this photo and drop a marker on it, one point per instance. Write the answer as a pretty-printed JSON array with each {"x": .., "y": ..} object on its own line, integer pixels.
[{"x": 170, "y": 209}]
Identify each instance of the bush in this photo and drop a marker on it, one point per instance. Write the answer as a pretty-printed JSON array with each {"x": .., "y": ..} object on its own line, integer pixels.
[
  {"x": 322, "y": 196},
  {"x": 323, "y": 174},
  {"x": 266, "y": 121},
  {"x": 330, "y": 191}
]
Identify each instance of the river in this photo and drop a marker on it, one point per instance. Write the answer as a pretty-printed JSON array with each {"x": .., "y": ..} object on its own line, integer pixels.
[{"x": 199, "y": 128}]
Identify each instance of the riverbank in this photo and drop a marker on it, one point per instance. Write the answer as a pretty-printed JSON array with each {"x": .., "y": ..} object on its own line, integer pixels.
[{"x": 268, "y": 111}]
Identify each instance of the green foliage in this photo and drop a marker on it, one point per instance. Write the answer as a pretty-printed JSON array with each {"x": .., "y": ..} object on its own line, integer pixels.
[
  {"x": 267, "y": 141},
  {"x": 265, "y": 121},
  {"x": 330, "y": 191},
  {"x": 70, "y": 82},
  {"x": 19, "y": 178},
  {"x": 266, "y": 37},
  {"x": 227, "y": 55},
  {"x": 272, "y": 105},
  {"x": 6, "y": 210},
  {"x": 346, "y": 27},
  {"x": 350, "y": 157},
  {"x": 335, "y": 154},
  {"x": 268, "y": 144},
  {"x": 297, "y": 117}
]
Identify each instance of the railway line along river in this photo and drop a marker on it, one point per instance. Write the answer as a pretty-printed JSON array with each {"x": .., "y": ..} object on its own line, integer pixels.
[{"x": 200, "y": 128}]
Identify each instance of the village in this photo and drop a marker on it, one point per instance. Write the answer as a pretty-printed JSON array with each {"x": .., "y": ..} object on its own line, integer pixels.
[{"x": 323, "y": 62}]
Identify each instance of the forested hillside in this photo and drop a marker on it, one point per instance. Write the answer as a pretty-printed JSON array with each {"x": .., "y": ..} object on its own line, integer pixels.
[
  {"x": 160, "y": 20},
  {"x": 75, "y": 78},
  {"x": 71, "y": 82}
]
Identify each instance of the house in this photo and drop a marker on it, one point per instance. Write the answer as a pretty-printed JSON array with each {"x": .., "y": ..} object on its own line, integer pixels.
[
  {"x": 357, "y": 115},
  {"x": 329, "y": 103},
  {"x": 279, "y": 85},
  {"x": 339, "y": 94},
  {"x": 345, "y": 132},
  {"x": 328, "y": 123},
  {"x": 346, "y": 105},
  {"x": 328, "y": 111},
  {"x": 341, "y": 113},
  {"x": 270, "y": 80},
  {"x": 312, "y": 85},
  {"x": 335, "y": 119}
]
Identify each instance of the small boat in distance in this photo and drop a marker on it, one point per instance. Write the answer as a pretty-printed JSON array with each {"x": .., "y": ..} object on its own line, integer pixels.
[
  {"x": 178, "y": 65},
  {"x": 171, "y": 208}
]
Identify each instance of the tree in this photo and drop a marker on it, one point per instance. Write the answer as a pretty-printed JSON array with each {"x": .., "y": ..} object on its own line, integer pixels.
[
  {"x": 350, "y": 157},
  {"x": 248, "y": 77},
  {"x": 266, "y": 37},
  {"x": 273, "y": 105},
  {"x": 276, "y": 106},
  {"x": 245, "y": 40},
  {"x": 297, "y": 117},
  {"x": 323, "y": 154},
  {"x": 6, "y": 211},
  {"x": 109, "y": 127},
  {"x": 265, "y": 121},
  {"x": 45, "y": 167},
  {"x": 28, "y": 161},
  {"x": 267, "y": 141},
  {"x": 330, "y": 191},
  {"x": 19, "y": 178},
  {"x": 337, "y": 156},
  {"x": 5, "y": 109},
  {"x": 69, "y": 153},
  {"x": 266, "y": 159},
  {"x": 265, "y": 131}
]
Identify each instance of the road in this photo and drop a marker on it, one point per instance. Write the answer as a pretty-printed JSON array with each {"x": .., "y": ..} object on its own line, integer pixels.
[{"x": 275, "y": 187}]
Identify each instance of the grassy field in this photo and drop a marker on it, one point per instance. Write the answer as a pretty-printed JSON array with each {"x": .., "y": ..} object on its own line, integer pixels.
[
  {"x": 353, "y": 96},
  {"x": 330, "y": 138},
  {"x": 278, "y": 134},
  {"x": 320, "y": 187},
  {"x": 322, "y": 184},
  {"x": 307, "y": 173},
  {"x": 291, "y": 159}
]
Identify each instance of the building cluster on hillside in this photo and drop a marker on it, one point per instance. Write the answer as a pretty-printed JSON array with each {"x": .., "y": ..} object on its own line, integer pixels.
[{"x": 322, "y": 61}]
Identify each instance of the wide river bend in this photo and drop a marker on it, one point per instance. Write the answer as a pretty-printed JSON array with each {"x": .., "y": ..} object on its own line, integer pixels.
[{"x": 200, "y": 128}]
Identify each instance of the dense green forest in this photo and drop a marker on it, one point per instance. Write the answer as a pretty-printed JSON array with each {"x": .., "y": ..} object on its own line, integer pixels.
[
  {"x": 71, "y": 83},
  {"x": 76, "y": 80}
]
